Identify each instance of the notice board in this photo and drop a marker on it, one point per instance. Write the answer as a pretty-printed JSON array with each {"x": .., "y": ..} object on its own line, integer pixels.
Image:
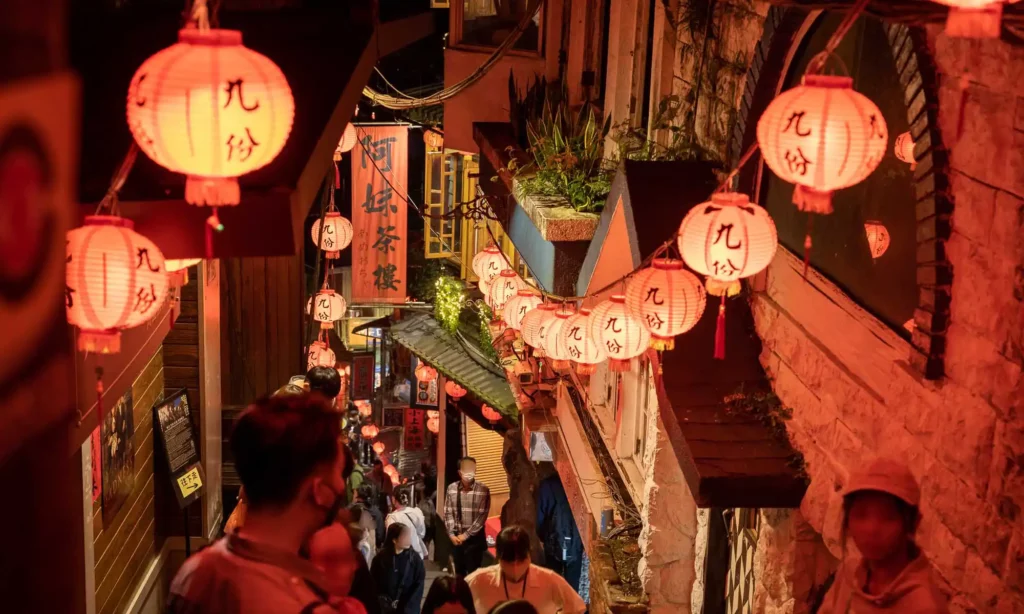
[{"x": 172, "y": 418}]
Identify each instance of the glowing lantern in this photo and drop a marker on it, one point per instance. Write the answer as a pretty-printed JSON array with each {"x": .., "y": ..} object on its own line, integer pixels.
[
  {"x": 905, "y": 149},
  {"x": 580, "y": 343},
  {"x": 618, "y": 332},
  {"x": 211, "y": 109},
  {"x": 378, "y": 448},
  {"x": 454, "y": 390},
  {"x": 503, "y": 288},
  {"x": 554, "y": 343},
  {"x": 347, "y": 142},
  {"x": 390, "y": 470},
  {"x": 490, "y": 414},
  {"x": 425, "y": 373},
  {"x": 488, "y": 264},
  {"x": 174, "y": 266},
  {"x": 518, "y": 306},
  {"x": 822, "y": 136},
  {"x": 878, "y": 238},
  {"x": 337, "y": 234},
  {"x": 433, "y": 425},
  {"x": 433, "y": 414},
  {"x": 329, "y": 307},
  {"x": 115, "y": 280},
  {"x": 667, "y": 299},
  {"x": 727, "y": 238},
  {"x": 320, "y": 355},
  {"x": 974, "y": 18},
  {"x": 534, "y": 323},
  {"x": 365, "y": 409},
  {"x": 369, "y": 431},
  {"x": 433, "y": 140}
]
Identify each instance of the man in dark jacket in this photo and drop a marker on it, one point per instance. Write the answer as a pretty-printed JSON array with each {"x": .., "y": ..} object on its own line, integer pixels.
[{"x": 556, "y": 528}]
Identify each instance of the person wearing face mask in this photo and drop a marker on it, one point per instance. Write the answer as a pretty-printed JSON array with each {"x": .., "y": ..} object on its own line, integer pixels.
[
  {"x": 398, "y": 573},
  {"x": 291, "y": 465},
  {"x": 516, "y": 578},
  {"x": 466, "y": 505}
]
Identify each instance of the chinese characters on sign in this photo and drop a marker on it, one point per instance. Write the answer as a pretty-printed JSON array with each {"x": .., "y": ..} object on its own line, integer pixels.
[
  {"x": 362, "y": 376},
  {"x": 414, "y": 429},
  {"x": 379, "y": 172}
]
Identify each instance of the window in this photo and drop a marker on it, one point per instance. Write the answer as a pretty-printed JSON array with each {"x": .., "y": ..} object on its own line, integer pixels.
[
  {"x": 886, "y": 285},
  {"x": 604, "y": 398},
  {"x": 447, "y": 183},
  {"x": 486, "y": 23},
  {"x": 639, "y": 405}
]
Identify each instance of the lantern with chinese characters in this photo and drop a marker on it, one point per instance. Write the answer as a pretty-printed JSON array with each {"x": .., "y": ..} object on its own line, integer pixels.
[
  {"x": 369, "y": 431},
  {"x": 320, "y": 355},
  {"x": 211, "y": 109},
  {"x": 667, "y": 299},
  {"x": 433, "y": 425},
  {"x": 518, "y": 306},
  {"x": 904, "y": 149},
  {"x": 490, "y": 414},
  {"x": 551, "y": 339},
  {"x": 580, "y": 344},
  {"x": 534, "y": 323},
  {"x": 327, "y": 307},
  {"x": 618, "y": 332},
  {"x": 379, "y": 447},
  {"x": 878, "y": 238},
  {"x": 433, "y": 139},
  {"x": 974, "y": 18},
  {"x": 727, "y": 238},
  {"x": 504, "y": 287},
  {"x": 822, "y": 136},
  {"x": 454, "y": 390},
  {"x": 488, "y": 264},
  {"x": 425, "y": 373},
  {"x": 115, "y": 279},
  {"x": 347, "y": 142},
  {"x": 337, "y": 234}
]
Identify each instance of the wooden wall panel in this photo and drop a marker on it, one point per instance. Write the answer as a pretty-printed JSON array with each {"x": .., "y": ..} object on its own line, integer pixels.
[
  {"x": 261, "y": 336},
  {"x": 125, "y": 546}
]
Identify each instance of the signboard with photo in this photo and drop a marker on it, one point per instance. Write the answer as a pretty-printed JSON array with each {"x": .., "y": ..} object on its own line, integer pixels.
[
  {"x": 173, "y": 420},
  {"x": 117, "y": 443}
]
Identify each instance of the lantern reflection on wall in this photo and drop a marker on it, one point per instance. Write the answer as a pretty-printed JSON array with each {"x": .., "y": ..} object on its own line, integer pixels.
[
  {"x": 320, "y": 355},
  {"x": 518, "y": 306},
  {"x": 580, "y": 343},
  {"x": 904, "y": 149},
  {"x": 974, "y": 18},
  {"x": 822, "y": 136},
  {"x": 534, "y": 323},
  {"x": 620, "y": 333},
  {"x": 327, "y": 307},
  {"x": 878, "y": 238},
  {"x": 211, "y": 109},
  {"x": 115, "y": 279},
  {"x": 667, "y": 299},
  {"x": 337, "y": 234}
]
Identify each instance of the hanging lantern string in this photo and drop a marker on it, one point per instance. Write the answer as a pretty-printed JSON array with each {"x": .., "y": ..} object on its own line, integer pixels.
[
  {"x": 109, "y": 201},
  {"x": 200, "y": 15},
  {"x": 817, "y": 63}
]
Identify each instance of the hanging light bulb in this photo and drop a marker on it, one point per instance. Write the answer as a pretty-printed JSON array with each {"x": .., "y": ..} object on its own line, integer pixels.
[
  {"x": 878, "y": 238},
  {"x": 668, "y": 299},
  {"x": 580, "y": 343},
  {"x": 337, "y": 234},
  {"x": 621, "y": 334}
]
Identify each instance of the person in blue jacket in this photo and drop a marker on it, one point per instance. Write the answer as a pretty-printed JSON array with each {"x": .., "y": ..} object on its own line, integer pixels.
[{"x": 556, "y": 529}]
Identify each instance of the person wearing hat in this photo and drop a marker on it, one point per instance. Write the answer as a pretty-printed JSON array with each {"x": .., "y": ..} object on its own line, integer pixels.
[{"x": 880, "y": 514}]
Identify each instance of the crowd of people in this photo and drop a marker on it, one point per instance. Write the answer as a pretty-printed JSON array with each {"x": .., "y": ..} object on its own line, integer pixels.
[{"x": 312, "y": 533}]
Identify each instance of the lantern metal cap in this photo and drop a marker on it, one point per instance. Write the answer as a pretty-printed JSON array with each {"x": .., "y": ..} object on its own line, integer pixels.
[
  {"x": 508, "y": 273},
  {"x": 108, "y": 220},
  {"x": 828, "y": 82},
  {"x": 667, "y": 264},
  {"x": 730, "y": 199},
  {"x": 214, "y": 37}
]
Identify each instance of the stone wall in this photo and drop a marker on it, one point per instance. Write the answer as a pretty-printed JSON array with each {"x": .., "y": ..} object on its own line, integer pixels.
[{"x": 963, "y": 435}]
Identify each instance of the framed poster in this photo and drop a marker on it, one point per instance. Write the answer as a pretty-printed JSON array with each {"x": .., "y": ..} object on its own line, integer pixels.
[
  {"x": 414, "y": 431},
  {"x": 117, "y": 441},
  {"x": 172, "y": 418},
  {"x": 362, "y": 376}
]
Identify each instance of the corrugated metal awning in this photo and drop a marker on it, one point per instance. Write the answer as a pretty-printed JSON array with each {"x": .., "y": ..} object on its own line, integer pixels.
[{"x": 425, "y": 338}]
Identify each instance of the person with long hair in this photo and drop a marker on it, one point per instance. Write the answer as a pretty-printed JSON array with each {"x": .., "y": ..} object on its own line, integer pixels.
[
  {"x": 881, "y": 515},
  {"x": 411, "y": 517},
  {"x": 367, "y": 529},
  {"x": 398, "y": 573},
  {"x": 448, "y": 595}
]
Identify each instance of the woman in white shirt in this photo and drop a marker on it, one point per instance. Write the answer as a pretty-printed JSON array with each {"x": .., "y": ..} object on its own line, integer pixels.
[{"x": 411, "y": 517}]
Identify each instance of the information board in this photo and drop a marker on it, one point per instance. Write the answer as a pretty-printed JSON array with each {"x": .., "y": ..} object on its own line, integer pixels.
[{"x": 173, "y": 420}]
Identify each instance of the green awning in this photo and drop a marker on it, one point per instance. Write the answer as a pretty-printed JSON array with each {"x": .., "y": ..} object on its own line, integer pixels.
[{"x": 425, "y": 338}]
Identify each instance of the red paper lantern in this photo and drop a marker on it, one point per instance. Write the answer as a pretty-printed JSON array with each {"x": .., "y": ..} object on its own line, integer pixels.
[
  {"x": 378, "y": 448},
  {"x": 425, "y": 373},
  {"x": 395, "y": 480},
  {"x": 534, "y": 323},
  {"x": 329, "y": 307},
  {"x": 728, "y": 238},
  {"x": 433, "y": 425},
  {"x": 365, "y": 408},
  {"x": 369, "y": 431},
  {"x": 390, "y": 470},
  {"x": 554, "y": 343},
  {"x": 337, "y": 234},
  {"x": 488, "y": 264},
  {"x": 904, "y": 149},
  {"x": 581, "y": 344},
  {"x": 668, "y": 299},
  {"x": 433, "y": 413},
  {"x": 503, "y": 288},
  {"x": 878, "y": 238},
  {"x": 490, "y": 414},
  {"x": 115, "y": 279},
  {"x": 518, "y": 306},
  {"x": 211, "y": 109},
  {"x": 822, "y": 136},
  {"x": 454, "y": 390},
  {"x": 320, "y": 355},
  {"x": 974, "y": 18},
  {"x": 621, "y": 334},
  {"x": 347, "y": 142}
]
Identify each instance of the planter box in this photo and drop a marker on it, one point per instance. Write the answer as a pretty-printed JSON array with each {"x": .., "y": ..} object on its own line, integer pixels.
[{"x": 555, "y": 218}]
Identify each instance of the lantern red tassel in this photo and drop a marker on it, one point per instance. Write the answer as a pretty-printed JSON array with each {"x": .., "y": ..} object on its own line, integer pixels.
[
  {"x": 720, "y": 331},
  {"x": 619, "y": 366},
  {"x": 560, "y": 365},
  {"x": 585, "y": 369}
]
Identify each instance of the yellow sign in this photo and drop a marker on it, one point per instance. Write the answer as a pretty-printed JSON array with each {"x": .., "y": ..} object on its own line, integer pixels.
[{"x": 190, "y": 482}]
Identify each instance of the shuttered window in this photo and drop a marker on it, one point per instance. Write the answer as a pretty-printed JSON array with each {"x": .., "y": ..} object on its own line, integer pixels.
[{"x": 485, "y": 446}]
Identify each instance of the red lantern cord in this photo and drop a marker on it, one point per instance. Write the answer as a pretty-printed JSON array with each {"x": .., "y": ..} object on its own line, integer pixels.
[{"x": 807, "y": 244}]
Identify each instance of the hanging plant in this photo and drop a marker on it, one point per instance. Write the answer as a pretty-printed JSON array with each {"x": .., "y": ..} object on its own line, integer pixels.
[{"x": 448, "y": 302}]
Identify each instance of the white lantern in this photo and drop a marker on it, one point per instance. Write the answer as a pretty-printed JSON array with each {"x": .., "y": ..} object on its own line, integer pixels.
[
  {"x": 551, "y": 338},
  {"x": 518, "y": 306},
  {"x": 327, "y": 307},
  {"x": 320, "y": 355},
  {"x": 488, "y": 264},
  {"x": 618, "y": 332},
  {"x": 580, "y": 343},
  {"x": 667, "y": 298},
  {"x": 728, "y": 238},
  {"x": 534, "y": 323},
  {"x": 337, "y": 234},
  {"x": 504, "y": 287}
]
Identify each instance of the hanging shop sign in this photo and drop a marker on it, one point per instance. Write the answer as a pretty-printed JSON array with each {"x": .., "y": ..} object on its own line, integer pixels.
[
  {"x": 362, "y": 376},
  {"x": 425, "y": 393},
  {"x": 379, "y": 177},
  {"x": 173, "y": 419},
  {"x": 414, "y": 429},
  {"x": 394, "y": 417}
]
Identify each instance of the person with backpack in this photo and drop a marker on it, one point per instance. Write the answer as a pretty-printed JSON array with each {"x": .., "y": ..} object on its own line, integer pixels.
[{"x": 398, "y": 573}]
